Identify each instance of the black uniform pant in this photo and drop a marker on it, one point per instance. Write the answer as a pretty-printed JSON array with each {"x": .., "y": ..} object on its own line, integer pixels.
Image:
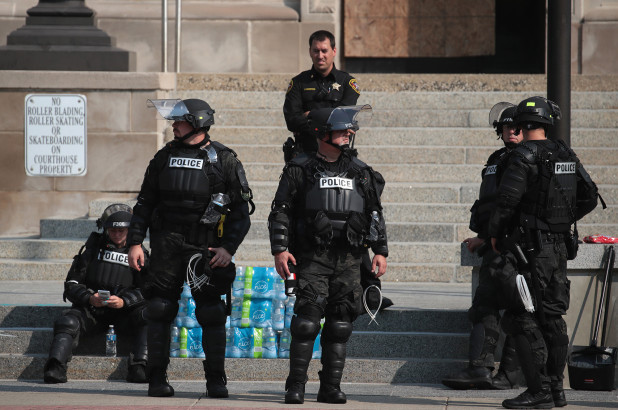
[
  {"x": 171, "y": 254},
  {"x": 542, "y": 346},
  {"x": 329, "y": 287},
  {"x": 79, "y": 321}
]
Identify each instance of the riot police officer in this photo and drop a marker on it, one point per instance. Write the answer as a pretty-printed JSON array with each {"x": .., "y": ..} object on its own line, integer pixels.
[
  {"x": 194, "y": 199},
  {"x": 102, "y": 264},
  {"x": 325, "y": 211},
  {"x": 324, "y": 86},
  {"x": 543, "y": 191},
  {"x": 484, "y": 313}
]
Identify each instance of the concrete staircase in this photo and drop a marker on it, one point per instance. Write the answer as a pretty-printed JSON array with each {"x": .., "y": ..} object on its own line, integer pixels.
[{"x": 429, "y": 145}]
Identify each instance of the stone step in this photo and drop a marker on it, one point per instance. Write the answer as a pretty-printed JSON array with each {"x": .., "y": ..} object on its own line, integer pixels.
[
  {"x": 392, "y": 370},
  {"x": 390, "y": 320},
  {"x": 422, "y": 173},
  {"x": 397, "y": 231},
  {"x": 415, "y": 136},
  {"x": 54, "y": 269},
  {"x": 271, "y": 117},
  {"x": 405, "y": 99},
  {"x": 362, "y": 344},
  {"x": 405, "y": 154}
]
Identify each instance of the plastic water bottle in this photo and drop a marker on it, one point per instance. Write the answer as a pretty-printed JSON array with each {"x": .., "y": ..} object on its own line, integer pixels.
[
  {"x": 279, "y": 286},
  {"x": 248, "y": 285},
  {"x": 175, "y": 342},
  {"x": 229, "y": 341},
  {"x": 238, "y": 286},
  {"x": 289, "y": 311},
  {"x": 236, "y": 311},
  {"x": 184, "y": 336},
  {"x": 110, "y": 342},
  {"x": 284, "y": 344},
  {"x": 269, "y": 343},
  {"x": 278, "y": 314},
  {"x": 190, "y": 319}
]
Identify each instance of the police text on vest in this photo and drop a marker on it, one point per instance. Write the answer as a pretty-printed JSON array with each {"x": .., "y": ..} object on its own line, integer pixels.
[
  {"x": 336, "y": 182},
  {"x": 192, "y": 163},
  {"x": 564, "y": 168},
  {"x": 115, "y": 257}
]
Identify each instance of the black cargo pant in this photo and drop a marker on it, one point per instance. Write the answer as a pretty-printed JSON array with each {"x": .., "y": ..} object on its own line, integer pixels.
[
  {"x": 542, "y": 347},
  {"x": 329, "y": 287},
  {"x": 170, "y": 256}
]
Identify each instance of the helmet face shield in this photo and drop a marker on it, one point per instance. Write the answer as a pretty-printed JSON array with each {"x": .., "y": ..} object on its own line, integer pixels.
[
  {"x": 349, "y": 117},
  {"x": 196, "y": 112},
  {"x": 170, "y": 109},
  {"x": 501, "y": 114}
]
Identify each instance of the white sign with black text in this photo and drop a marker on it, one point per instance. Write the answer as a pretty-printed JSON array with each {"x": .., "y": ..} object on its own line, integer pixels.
[{"x": 55, "y": 131}]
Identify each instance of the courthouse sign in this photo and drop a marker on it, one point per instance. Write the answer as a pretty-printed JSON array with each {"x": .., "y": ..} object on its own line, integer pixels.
[{"x": 55, "y": 130}]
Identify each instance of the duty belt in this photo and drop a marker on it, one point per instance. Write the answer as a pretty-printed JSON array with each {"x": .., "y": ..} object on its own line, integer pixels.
[
  {"x": 194, "y": 233},
  {"x": 550, "y": 237}
]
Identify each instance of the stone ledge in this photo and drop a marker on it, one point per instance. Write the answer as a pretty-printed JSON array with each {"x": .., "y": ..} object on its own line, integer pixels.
[
  {"x": 400, "y": 82},
  {"x": 87, "y": 80},
  {"x": 607, "y": 14}
]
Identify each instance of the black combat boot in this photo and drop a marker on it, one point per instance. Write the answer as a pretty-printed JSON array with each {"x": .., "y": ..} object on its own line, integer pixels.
[
  {"x": 138, "y": 357},
  {"x": 55, "y": 370},
  {"x": 158, "y": 359},
  {"x": 300, "y": 356},
  {"x": 213, "y": 342},
  {"x": 527, "y": 400},
  {"x": 333, "y": 361},
  {"x": 158, "y": 385},
  {"x": 557, "y": 393},
  {"x": 509, "y": 375},
  {"x": 472, "y": 377}
]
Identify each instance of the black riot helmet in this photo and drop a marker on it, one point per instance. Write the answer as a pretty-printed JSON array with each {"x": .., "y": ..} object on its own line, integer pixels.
[
  {"x": 326, "y": 120},
  {"x": 194, "y": 111},
  {"x": 115, "y": 216},
  {"x": 536, "y": 112},
  {"x": 502, "y": 114}
]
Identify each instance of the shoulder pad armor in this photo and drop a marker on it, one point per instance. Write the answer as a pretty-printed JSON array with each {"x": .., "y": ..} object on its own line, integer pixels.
[{"x": 527, "y": 151}]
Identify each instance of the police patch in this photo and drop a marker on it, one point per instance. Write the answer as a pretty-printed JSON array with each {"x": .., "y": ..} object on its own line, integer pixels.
[
  {"x": 491, "y": 170},
  {"x": 564, "y": 168},
  {"x": 193, "y": 163},
  {"x": 290, "y": 86},
  {"x": 336, "y": 182},
  {"x": 354, "y": 85},
  {"x": 115, "y": 257}
]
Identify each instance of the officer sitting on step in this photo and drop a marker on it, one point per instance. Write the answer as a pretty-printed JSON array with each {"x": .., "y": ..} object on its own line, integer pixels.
[
  {"x": 102, "y": 264},
  {"x": 325, "y": 212},
  {"x": 484, "y": 313},
  {"x": 194, "y": 199},
  {"x": 542, "y": 192}
]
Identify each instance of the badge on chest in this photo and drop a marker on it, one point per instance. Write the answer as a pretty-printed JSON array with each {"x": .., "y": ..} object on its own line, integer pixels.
[
  {"x": 192, "y": 163},
  {"x": 336, "y": 182},
  {"x": 491, "y": 169}
]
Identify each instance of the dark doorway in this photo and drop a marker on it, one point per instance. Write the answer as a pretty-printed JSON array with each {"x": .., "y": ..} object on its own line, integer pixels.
[{"x": 520, "y": 47}]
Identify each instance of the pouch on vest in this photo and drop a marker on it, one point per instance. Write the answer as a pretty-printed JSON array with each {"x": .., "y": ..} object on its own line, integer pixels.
[{"x": 214, "y": 210}]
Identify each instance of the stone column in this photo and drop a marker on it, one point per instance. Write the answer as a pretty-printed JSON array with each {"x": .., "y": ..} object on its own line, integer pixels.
[{"x": 62, "y": 35}]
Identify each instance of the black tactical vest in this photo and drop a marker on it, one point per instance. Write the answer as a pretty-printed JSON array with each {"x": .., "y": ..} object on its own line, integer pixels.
[
  {"x": 336, "y": 194},
  {"x": 489, "y": 184},
  {"x": 553, "y": 199},
  {"x": 109, "y": 269},
  {"x": 188, "y": 179}
]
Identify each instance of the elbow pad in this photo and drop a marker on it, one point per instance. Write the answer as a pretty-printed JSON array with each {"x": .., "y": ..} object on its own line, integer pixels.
[
  {"x": 131, "y": 297},
  {"x": 279, "y": 232},
  {"x": 77, "y": 293}
]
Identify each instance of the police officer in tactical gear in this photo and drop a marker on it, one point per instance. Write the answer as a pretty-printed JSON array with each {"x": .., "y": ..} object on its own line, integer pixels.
[
  {"x": 324, "y": 86},
  {"x": 102, "y": 264},
  {"x": 543, "y": 190},
  {"x": 326, "y": 210},
  {"x": 194, "y": 199},
  {"x": 484, "y": 313}
]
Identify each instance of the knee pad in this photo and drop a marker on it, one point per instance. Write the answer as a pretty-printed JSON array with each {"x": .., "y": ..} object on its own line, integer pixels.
[
  {"x": 304, "y": 329},
  {"x": 211, "y": 315},
  {"x": 336, "y": 331},
  {"x": 137, "y": 317},
  {"x": 477, "y": 314},
  {"x": 161, "y": 310},
  {"x": 67, "y": 324}
]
